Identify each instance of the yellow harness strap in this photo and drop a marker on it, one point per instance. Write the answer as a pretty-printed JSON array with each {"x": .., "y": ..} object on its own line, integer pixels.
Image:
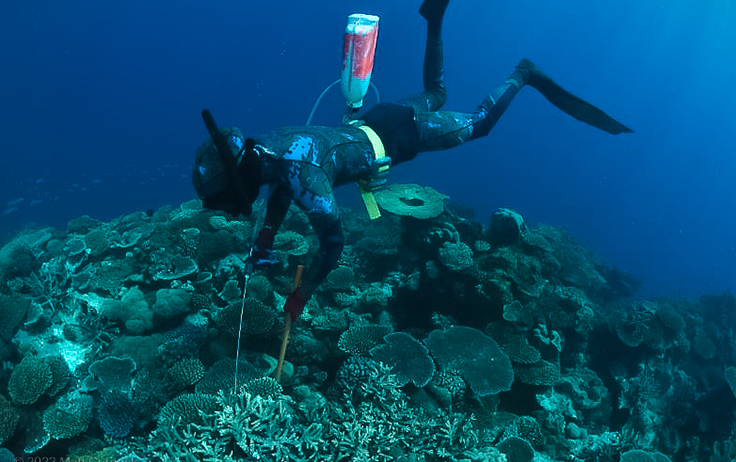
[{"x": 379, "y": 152}]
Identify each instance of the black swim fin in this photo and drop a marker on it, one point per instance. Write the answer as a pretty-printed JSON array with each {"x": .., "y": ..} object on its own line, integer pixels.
[
  {"x": 433, "y": 10},
  {"x": 569, "y": 103}
]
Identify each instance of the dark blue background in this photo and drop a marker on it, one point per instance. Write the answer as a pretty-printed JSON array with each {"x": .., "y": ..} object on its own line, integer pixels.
[{"x": 100, "y": 104}]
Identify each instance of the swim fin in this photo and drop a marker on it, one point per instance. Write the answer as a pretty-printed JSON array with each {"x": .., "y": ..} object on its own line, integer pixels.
[
  {"x": 569, "y": 103},
  {"x": 433, "y": 10}
]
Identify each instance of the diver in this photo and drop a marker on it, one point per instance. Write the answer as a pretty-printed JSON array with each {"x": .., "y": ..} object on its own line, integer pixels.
[{"x": 304, "y": 164}]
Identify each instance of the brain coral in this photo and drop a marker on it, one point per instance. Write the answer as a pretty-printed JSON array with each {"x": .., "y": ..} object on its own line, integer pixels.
[
  {"x": 475, "y": 356},
  {"x": 29, "y": 380}
]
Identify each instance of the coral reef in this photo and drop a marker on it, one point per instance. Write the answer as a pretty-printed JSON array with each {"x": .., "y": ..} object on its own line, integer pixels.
[{"x": 437, "y": 338}]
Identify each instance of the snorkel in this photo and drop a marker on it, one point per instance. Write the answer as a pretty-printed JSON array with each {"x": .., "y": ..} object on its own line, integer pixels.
[{"x": 242, "y": 197}]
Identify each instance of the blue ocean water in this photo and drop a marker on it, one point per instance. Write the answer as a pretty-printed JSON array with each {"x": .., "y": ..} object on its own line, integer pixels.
[{"x": 101, "y": 101}]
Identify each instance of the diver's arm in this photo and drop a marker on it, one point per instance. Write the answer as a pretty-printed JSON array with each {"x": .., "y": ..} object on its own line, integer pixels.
[
  {"x": 331, "y": 242},
  {"x": 319, "y": 203},
  {"x": 276, "y": 208}
]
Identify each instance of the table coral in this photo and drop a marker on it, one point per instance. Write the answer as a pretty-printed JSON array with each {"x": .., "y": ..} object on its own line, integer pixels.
[
  {"x": 411, "y": 200},
  {"x": 408, "y": 358},
  {"x": 475, "y": 355}
]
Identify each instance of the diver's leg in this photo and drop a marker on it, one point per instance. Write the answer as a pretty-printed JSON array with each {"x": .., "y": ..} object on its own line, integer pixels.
[
  {"x": 444, "y": 130},
  {"x": 435, "y": 94}
]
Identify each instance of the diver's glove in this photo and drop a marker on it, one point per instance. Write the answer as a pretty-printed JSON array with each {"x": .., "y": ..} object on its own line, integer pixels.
[
  {"x": 261, "y": 256},
  {"x": 295, "y": 304},
  {"x": 377, "y": 179}
]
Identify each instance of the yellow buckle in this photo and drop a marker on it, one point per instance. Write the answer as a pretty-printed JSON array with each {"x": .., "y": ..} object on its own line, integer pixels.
[{"x": 379, "y": 153}]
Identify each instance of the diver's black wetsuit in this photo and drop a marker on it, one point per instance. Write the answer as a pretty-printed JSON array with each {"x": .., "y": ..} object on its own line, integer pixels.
[{"x": 304, "y": 164}]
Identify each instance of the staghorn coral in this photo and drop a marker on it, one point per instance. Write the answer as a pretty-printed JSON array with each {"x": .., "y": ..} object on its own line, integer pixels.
[{"x": 382, "y": 427}]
